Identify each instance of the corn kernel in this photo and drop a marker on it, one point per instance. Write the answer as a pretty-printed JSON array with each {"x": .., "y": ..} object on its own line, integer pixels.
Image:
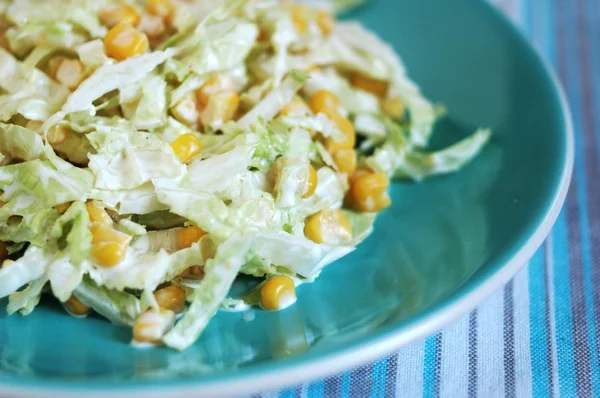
[
  {"x": 119, "y": 13},
  {"x": 221, "y": 107},
  {"x": 368, "y": 193},
  {"x": 98, "y": 214},
  {"x": 108, "y": 254},
  {"x": 76, "y": 307},
  {"x": 153, "y": 26},
  {"x": 331, "y": 227},
  {"x": 345, "y": 159},
  {"x": 188, "y": 236},
  {"x": 161, "y": 8},
  {"x": 393, "y": 107},
  {"x": 186, "y": 146},
  {"x": 4, "y": 43},
  {"x": 70, "y": 73},
  {"x": 54, "y": 64},
  {"x": 278, "y": 293},
  {"x": 373, "y": 86},
  {"x": 361, "y": 171},
  {"x": 124, "y": 41},
  {"x": 3, "y": 250},
  {"x": 56, "y": 135},
  {"x": 300, "y": 17},
  {"x": 311, "y": 183},
  {"x": 215, "y": 85},
  {"x": 34, "y": 125},
  {"x": 326, "y": 22},
  {"x": 195, "y": 271},
  {"x": 102, "y": 233},
  {"x": 324, "y": 101},
  {"x": 151, "y": 326},
  {"x": 171, "y": 298},
  {"x": 296, "y": 107},
  {"x": 63, "y": 207},
  {"x": 6, "y": 263},
  {"x": 186, "y": 111},
  {"x": 346, "y": 128}
]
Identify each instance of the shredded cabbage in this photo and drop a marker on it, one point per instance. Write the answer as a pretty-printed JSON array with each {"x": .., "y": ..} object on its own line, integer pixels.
[{"x": 205, "y": 157}]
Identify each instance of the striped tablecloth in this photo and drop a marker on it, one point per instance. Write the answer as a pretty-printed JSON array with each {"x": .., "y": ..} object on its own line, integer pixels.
[{"x": 539, "y": 335}]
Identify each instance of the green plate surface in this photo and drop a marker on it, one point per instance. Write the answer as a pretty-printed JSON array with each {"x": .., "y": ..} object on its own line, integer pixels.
[{"x": 442, "y": 247}]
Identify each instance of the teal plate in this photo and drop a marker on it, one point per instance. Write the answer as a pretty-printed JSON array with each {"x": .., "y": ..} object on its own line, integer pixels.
[{"x": 441, "y": 248}]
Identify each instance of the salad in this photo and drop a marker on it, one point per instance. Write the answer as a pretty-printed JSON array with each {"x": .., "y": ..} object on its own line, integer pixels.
[{"x": 153, "y": 151}]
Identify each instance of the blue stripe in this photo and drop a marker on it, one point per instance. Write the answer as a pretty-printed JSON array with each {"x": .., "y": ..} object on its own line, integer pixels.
[
  {"x": 378, "y": 378},
  {"x": 574, "y": 89},
  {"x": 537, "y": 315},
  {"x": 593, "y": 35},
  {"x": 288, "y": 393},
  {"x": 564, "y": 318},
  {"x": 316, "y": 389},
  {"x": 346, "y": 381},
  {"x": 429, "y": 368}
]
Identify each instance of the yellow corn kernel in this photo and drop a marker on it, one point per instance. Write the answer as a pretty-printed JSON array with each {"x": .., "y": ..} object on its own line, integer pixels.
[
  {"x": 278, "y": 293},
  {"x": 373, "y": 86},
  {"x": 393, "y": 107},
  {"x": 324, "y": 101},
  {"x": 3, "y": 250},
  {"x": 311, "y": 183},
  {"x": 349, "y": 136},
  {"x": 70, "y": 73},
  {"x": 188, "y": 236},
  {"x": 186, "y": 146},
  {"x": 300, "y": 17},
  {"x": 124, "y": 41},
  {"x": 161, "y": 8},
  {"x": 361, "y": 171},
  {"x": 215, "y": 85},
  {"x": 368, "y": 192},
  {"x": 76, "y": 307},
  {"x": 4, "y": 43},
  {"x": 1, "y": 202},
  {"x": 6, "y": 263},
  {"x": 296, "y": 107},
  {"x": 326, "y": 22},
  {"x": 186, "y": 111},
  {"x": 119, "y": 13},
  {"x": 195, "y": 271},
  {"x": 152, "y": 25},
  {"x": 221, "y": 107},
  {"x": 331, "y": 227},
  {"x": 345, "y": 160},
  {"x": 108, "y": 254},
  {"x": 61, "y": 208},
  {"x": 53, "y": 65},
  {"x": 97, "y": 214},
  {"x": 56, "y": 135},
  {"x": 102, "y": 233},
  {"x": 171, "y": 298},
  {"x": 34, "y": 125},
  {"x": 151, "y": 326}
]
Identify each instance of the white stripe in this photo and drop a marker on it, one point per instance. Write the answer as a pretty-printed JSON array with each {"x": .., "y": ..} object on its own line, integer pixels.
[
  {"x": 523, "y": 373},
  {"x": 454, "y": 377},
  {"x": 409, "y": 379},
  {"x": 490, "y": 347},
  {"x": 552, "y": 311}
]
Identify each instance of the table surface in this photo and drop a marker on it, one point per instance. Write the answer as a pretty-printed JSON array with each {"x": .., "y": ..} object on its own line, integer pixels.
[{"x": 538, "y": 336}]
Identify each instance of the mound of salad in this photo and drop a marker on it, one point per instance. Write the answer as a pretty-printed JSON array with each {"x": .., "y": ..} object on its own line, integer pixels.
[{"x": 153, "y": 151}]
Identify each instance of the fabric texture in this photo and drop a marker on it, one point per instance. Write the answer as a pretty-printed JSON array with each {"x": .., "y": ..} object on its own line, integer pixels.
[{"x": 538, "y": 336}]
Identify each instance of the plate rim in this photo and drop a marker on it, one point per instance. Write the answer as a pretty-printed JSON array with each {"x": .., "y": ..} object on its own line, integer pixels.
[{"x": 367, "y": 349}]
